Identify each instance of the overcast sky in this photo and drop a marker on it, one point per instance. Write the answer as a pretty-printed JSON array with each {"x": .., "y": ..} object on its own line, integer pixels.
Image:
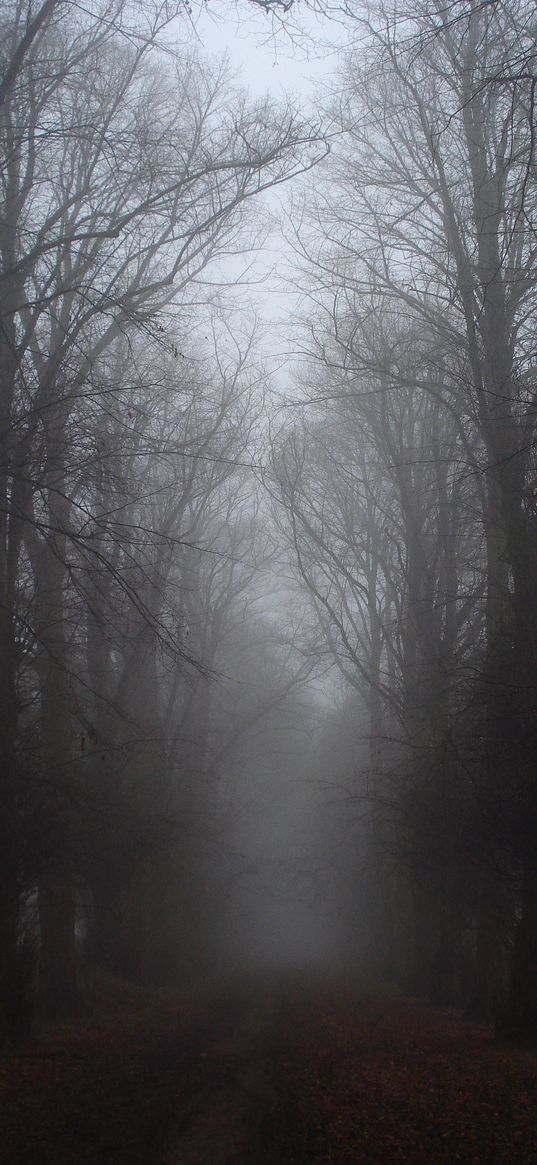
[
  {"x": 296, "y": 57},
  {"x": 271, "y": 56}
]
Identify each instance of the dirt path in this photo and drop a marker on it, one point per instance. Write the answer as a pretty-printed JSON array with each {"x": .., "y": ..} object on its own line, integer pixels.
[
  {"x": 295, "y": 1072},
  {"x": 238, "y": 1112}
]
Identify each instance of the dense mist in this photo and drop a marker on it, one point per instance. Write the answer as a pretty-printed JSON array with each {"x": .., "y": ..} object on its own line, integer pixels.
[{"x": 268, "y": 622}]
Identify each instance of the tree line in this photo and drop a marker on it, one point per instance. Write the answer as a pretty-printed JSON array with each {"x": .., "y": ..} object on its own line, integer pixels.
[
  {"x": 129, "y": 541},
  {"x": 407, "y": 487}
]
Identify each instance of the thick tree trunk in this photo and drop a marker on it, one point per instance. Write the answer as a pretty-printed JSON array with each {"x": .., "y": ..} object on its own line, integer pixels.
[
  {"x": 416, "y": 979},
  {"x": 58, "y": 977},
  {"x": 485, "y": 984},
  {"x": 59, "y": 874},
  {"x": 107, "y": 923},
  {"x": 442, "y": 967},
  {"x": 59, "y": 994},
  {"x": 519, "y": 1020},
  {"x": 14, "y": 985},
  {"x": 15, "y": 961}
]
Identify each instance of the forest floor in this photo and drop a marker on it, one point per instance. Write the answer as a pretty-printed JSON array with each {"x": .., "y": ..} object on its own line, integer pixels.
[{"x": 295, "y": 1071}]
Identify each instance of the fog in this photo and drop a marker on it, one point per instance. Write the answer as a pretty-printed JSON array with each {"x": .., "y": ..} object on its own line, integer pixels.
[{"x": 267, "y": 545}]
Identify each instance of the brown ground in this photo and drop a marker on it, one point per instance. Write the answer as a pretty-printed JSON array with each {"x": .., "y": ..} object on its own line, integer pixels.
[{"x": 295, "y": 1072}]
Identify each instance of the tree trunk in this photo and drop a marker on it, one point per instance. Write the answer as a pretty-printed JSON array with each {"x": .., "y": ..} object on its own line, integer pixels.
[
  {"x": 485, "y": 983},
  {"x": 519, "y": 1021},
  {"x": 58, "y": 978},
  {"x": 417, "y": 978},
  {"x": 108, "y": 922},
  {"x": 14, "y": 1008}
]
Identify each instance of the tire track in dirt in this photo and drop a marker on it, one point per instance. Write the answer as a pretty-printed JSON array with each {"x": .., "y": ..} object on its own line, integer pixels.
[{"x": 239, "y": 1111}]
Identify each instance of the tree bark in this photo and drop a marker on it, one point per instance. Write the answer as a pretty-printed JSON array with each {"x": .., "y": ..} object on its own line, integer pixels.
[{"x": 519, "y": 1020}]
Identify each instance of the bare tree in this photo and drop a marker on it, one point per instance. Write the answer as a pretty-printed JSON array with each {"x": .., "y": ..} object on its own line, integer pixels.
[
  {"x": 124, "y": 173},
  {"x": 431, "y": 222}
]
